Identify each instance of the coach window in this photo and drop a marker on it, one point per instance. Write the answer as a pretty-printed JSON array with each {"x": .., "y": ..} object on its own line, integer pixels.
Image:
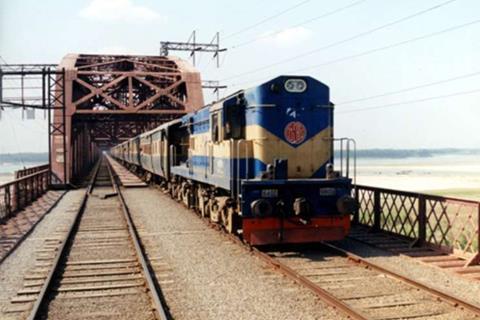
[{"x": 215, "y": 127}]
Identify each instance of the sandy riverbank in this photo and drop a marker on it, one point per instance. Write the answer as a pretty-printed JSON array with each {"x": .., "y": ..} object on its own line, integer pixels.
[
  {"x": 5, "y": 177},
  {"x": 449, "y": 176}
]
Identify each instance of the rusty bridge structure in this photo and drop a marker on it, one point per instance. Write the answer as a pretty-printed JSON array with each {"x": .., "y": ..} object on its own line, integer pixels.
[{"x": 95, "y": 101}]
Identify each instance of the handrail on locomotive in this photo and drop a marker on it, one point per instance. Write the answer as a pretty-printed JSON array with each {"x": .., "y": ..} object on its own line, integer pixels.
[{"x": 345, "y": 142}]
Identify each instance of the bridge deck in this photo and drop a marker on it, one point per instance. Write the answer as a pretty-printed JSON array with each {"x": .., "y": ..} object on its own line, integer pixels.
[
  {"x": 127, "y": 179},
  {"x": 17, "y": 227}
]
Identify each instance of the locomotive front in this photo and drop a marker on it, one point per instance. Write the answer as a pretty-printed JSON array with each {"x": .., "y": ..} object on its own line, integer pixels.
[{"x": 289, "y": 191}]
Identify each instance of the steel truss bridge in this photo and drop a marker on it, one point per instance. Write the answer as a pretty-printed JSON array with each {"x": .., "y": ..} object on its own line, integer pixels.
[{"x": 92, "y": 102}]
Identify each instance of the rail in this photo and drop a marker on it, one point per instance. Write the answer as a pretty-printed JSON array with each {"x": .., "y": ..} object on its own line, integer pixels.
[
  {"x": 63, "y": 250},
  {"x": 444, "y": 223},
  {"x": 42, "y": 296},
  {"x": 158, "y": 302},
  {"x": 19, "y": 193}
]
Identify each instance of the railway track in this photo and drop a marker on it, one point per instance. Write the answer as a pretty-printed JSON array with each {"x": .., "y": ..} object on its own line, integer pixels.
[
  {"x": 99, "y": 269},
  {"x": 358, "y": 288},
  {"x": 362, "y": 289}
]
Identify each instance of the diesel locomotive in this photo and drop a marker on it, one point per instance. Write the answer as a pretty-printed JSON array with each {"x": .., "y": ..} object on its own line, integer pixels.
[{"x": 259, "y": 162}]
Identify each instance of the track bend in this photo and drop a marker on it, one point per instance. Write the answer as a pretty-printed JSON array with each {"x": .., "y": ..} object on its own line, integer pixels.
[
  {"x": 100, "y": 270},
  {"x": 363, "y": 290}
]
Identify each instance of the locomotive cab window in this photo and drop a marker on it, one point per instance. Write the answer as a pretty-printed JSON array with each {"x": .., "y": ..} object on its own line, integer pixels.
[{"x": 234, "y": 122}]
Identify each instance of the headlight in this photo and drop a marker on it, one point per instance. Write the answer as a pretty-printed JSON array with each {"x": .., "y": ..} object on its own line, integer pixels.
[
  {"x": 295, "y": 85},
  {"x": 347, "y": 205},
  {"x": 269, "y": 193},
  {"x": 261, "y": 207}
]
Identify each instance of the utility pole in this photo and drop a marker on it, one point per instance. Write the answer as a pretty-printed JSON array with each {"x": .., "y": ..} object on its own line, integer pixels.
[
  {"x": 193, "y": 47},
  {"x": 213, "y": 84}
]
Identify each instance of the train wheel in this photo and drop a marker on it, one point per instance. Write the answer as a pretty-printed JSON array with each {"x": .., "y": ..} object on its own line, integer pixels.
[
  {"x": 202, "y": 203},
  {"x": 231, "y": 223},
  {"x": 190, "y": 199},
  {"x": 148, "y": 177},
  {"x": 178, "y": 192},
  {"x": 214, "y": 210},
  {"x": 185, "y": 194}
]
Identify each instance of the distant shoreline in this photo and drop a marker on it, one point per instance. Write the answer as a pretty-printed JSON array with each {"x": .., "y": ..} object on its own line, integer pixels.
[
  {"x": 6, "y": 174},
  {"x": 376, "y": 153},
  {"x": 412, "y": 153},
  {"x": 27, "y": 157}
]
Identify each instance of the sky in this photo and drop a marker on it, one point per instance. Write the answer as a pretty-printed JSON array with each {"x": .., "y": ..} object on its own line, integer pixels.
[{"x": 402, "y": 74}]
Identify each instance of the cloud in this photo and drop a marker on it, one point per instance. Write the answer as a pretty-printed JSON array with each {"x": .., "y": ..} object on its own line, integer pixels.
[
  {"x": 288, "y": 37},
  {"x": 119, "y": 10}
]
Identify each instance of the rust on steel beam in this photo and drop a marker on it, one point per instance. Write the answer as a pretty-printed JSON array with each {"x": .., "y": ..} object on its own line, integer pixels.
[
  {"x": 132, "y": 73},
  {"x": 167, "y": 111}
]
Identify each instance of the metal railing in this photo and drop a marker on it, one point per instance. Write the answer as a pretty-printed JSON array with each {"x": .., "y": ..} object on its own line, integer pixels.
[
  {"x": 28, "y": 171},
  {"x": 345, "y": 147},
  {"x": 445, "y": 223},
  {"x": 19, "y": 193}
]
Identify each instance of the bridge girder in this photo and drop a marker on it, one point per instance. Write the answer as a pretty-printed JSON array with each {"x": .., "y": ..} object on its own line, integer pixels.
[{"x": 109, "y": 98}]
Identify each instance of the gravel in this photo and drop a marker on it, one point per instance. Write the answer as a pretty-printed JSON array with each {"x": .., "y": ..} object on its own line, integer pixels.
[
  {"x": 14, "y": 268},
  {"x": 203, "y": 275},
  {"x": 387, "y": 298},
  {"x": 459, "y": 286}
]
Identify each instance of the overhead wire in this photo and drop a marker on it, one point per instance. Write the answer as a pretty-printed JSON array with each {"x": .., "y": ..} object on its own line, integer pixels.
[
  {"x": 12, "y": 126},
  {"x": 266, "y": 20},
  {"x": 16, "y": 139},
  {"x": 223, "y": 58},
  {"x": 324, "y": 15},
  {"x": 370, "y": 51},
  {"x": 390, "y": 105},
  {"x": 421, "y": 86},
  {"x": 348, "y": 39}
]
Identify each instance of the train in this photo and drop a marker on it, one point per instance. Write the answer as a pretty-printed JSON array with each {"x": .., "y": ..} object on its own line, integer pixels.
[{"x": 259, "y": 162}]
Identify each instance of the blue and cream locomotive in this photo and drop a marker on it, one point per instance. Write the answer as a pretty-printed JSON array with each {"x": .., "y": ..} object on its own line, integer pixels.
[{"x": 259, "y": 162}]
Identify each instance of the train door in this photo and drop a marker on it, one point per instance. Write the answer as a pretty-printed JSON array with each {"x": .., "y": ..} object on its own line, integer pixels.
[
  {"x": 191, "y": 146},
  {"x": 216, "y": 137},
  {"x": 164, "y": 153},
  {"x": 150, "y": 153},
  {"x": 137, "y": 149},
  {"x": 156, "y": 153}
]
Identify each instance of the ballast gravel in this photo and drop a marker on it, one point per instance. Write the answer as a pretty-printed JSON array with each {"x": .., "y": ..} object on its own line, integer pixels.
[
  {"x": 22, "y": 260},
  {"x": 203, "y": 275}
]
